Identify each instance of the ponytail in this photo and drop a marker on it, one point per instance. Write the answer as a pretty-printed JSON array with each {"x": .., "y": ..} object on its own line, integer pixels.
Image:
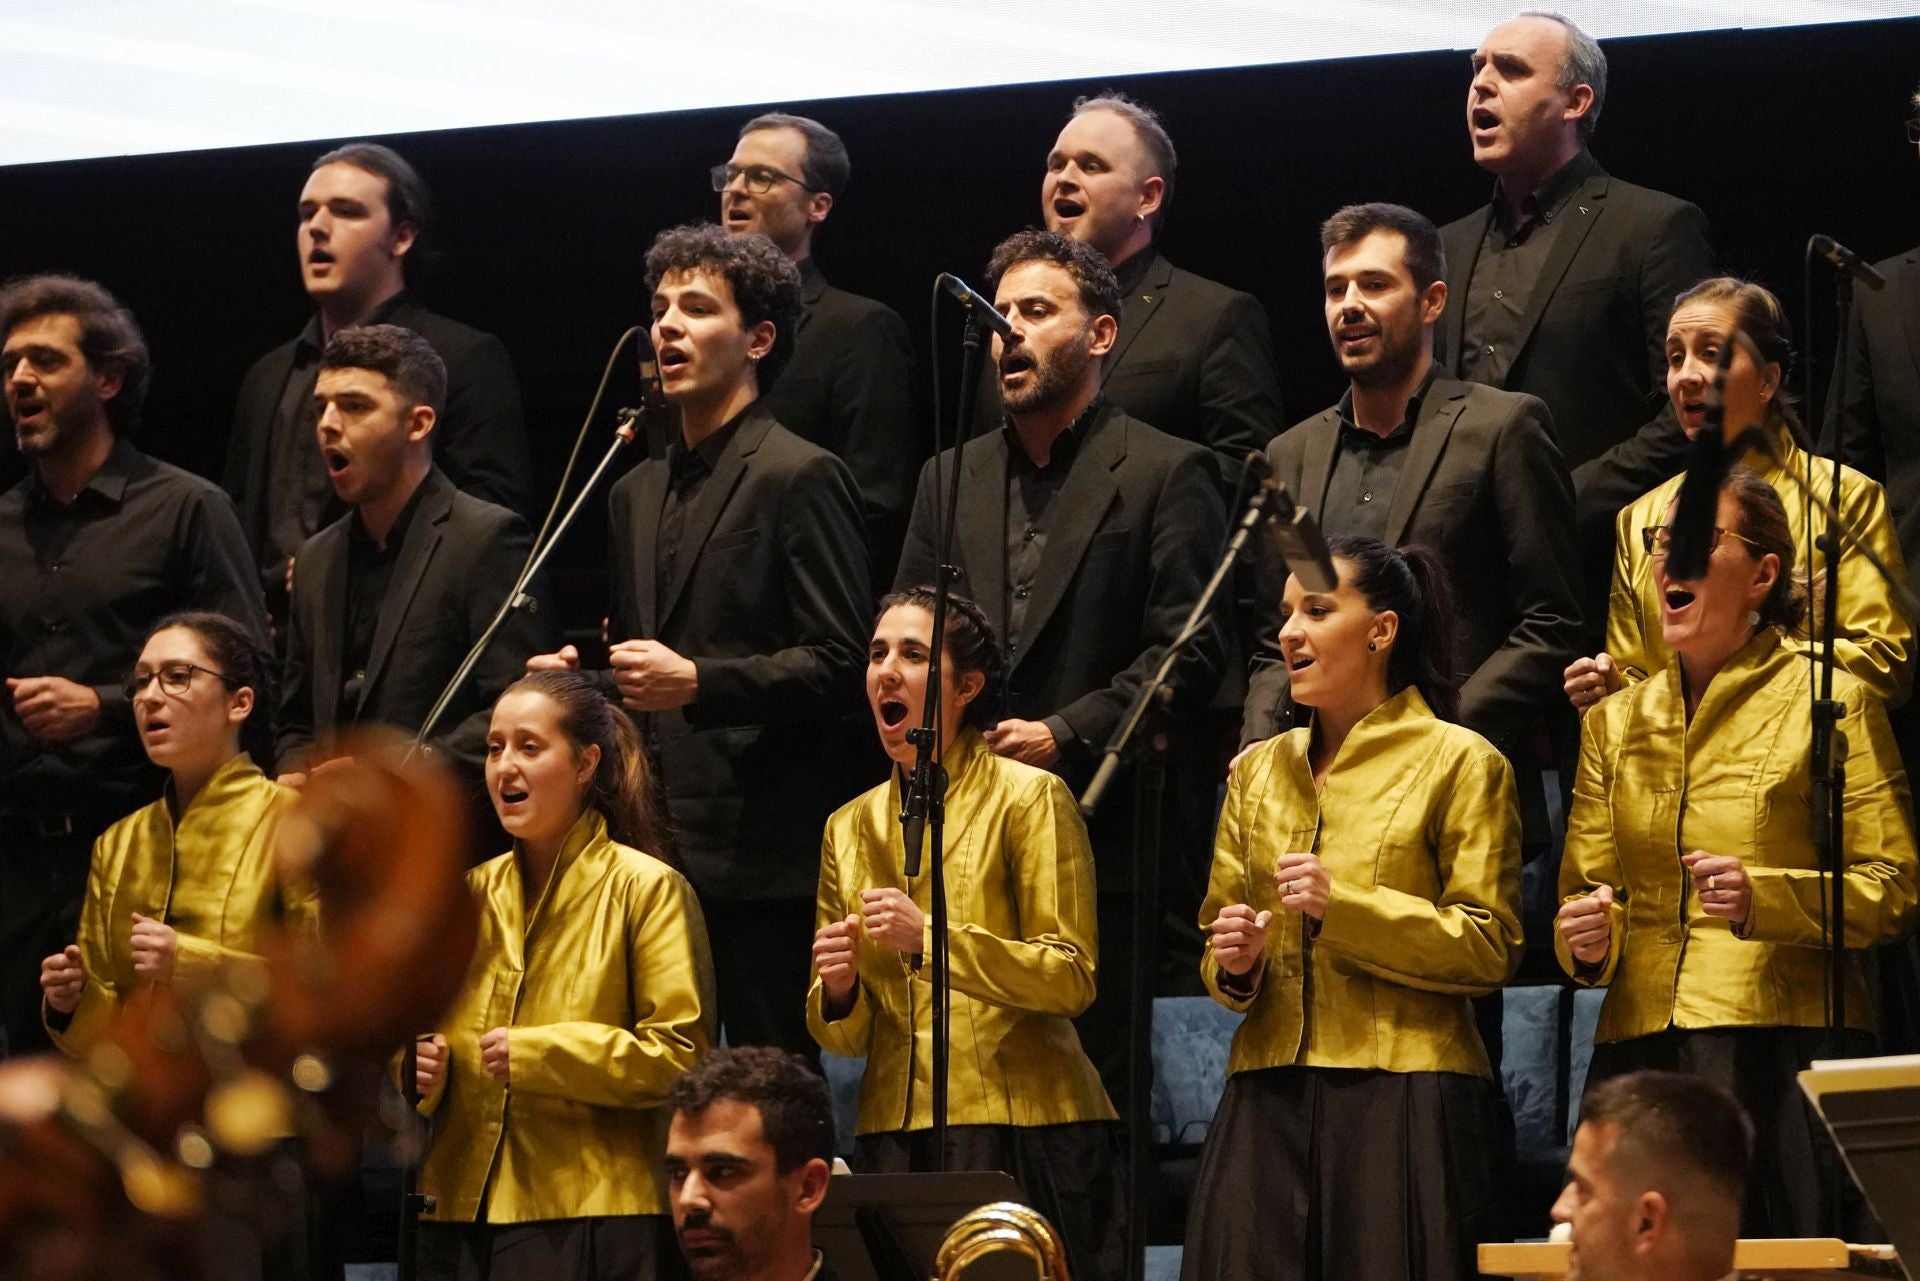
[
  {"x": 621, "y": 788},
  {"x": 1414, "y": 584}
]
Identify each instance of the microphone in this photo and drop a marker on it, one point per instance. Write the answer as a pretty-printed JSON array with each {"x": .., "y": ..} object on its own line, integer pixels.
[
  {"x": 1848, "y": 262},
  {"x": 1698, "y": 502},
  {"x": 1295, "y": 534},
  {"x": 982, "y": 310}
]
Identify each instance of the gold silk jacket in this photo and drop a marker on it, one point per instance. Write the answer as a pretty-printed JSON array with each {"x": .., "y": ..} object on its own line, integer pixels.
[
  {"x": 1652, "y": 787},
  {"x": 1021, "y": 948},
  {"x": 1417, "y": 827},
  {"x": 606, "y": 989},
  {"x": 210, "y": 876},
  {"x": 1874, "y": 639}
]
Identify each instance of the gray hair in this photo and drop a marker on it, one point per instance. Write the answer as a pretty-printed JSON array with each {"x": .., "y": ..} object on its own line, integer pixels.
[{"x": 1585, "y": 64}]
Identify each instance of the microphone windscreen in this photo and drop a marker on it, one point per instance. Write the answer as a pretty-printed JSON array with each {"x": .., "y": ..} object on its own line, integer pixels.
[{"x": 1697, "y": 506}]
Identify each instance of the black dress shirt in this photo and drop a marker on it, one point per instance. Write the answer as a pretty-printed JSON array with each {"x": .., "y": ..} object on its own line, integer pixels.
[
  {"x": 687, "y": 473},
  {"x": 1507, "y": 270},
  {"x": 1366, "y": 469},
  {"x": 1031, "y": 490},
  {"x": 300, "y": 498},
  {"x": 80, "y": 587},
  {"x": 369, "y": 571}
]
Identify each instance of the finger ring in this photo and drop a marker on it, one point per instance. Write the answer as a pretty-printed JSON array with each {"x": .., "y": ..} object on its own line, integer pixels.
[{"x": 1710, "y": 882}]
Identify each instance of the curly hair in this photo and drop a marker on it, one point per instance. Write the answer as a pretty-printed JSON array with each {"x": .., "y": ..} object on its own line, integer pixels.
[
  {"x": 409, "y": 361},
  {"x": 796, "y": 1115},
  {"x": 1099, "y": 289},
  {"x": 765, "y": 283},
  {"x": 970, "y": 646},
  {"x": 110, "y": 337}
]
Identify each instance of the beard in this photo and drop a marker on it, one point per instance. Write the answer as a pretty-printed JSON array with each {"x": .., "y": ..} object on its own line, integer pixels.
[
  {"x": 1390, "y": 366},
  {"x": 1054, "y": 376}
]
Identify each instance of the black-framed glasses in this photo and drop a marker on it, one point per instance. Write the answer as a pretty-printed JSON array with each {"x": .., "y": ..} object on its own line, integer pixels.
[
  {"x": 1659, "y": 539},
  {"x": 175, "y": 678},
  {"x": 759, "y": 178}
]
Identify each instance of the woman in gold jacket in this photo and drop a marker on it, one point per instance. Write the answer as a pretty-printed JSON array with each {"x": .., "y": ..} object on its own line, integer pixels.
[
  {"x": 1365, "y": 885},
  {"x": 1023, "y": 1097},
  {"x": 1873, "y": 639},
  {"x": 183, "y": 884},
  {"x": 1690, "y": 885},
  {"x": 589, "y": 994}
]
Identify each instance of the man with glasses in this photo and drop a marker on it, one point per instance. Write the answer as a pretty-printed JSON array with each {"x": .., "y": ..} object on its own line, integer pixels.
[
  {"x": 849, "y": 385},
  {"x": 97, "y": 544}
]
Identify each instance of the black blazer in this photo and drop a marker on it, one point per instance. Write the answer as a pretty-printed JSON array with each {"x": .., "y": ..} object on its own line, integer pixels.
[
  {"x": 479, "y": 440},
  {"x": 771, "y": 600},
  {"x": 1193, "y": 358},
  {"x": 1593, "y": 341},
  {"x": 1484, "y": 485},
  {"x": 459, "y": 557},
  {"x": 849, "y": 389},
  {"x": 1132, "y": 538},
  {"x": 1875, "y": 400}
]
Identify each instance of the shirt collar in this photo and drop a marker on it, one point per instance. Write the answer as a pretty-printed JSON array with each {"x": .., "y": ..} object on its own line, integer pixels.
[
  {"x": 108, "y": 483},
  {"x": 398, "y": 534},
  {"x": 708, "y": 451},
  {"x": 1065, "y": 445},
  {"x": 1133, "y": 271},
  {"x": 1345, "y": 409},
  {"x": 1544, "y": 202},
  {"x": 312, "y": 340}
]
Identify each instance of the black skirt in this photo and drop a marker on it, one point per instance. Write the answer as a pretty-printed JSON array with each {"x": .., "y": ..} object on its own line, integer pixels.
[
  {"x": 1797, "y": 1187},
  {"x": 1338, "y": 1174},
  {"x": 1071, "y": 1173},
  {"x": 624, "y": 1247}
]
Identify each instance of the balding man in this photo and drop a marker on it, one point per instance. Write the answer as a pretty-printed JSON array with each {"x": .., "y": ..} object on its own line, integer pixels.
[{"x": 1654, "y": 1186}]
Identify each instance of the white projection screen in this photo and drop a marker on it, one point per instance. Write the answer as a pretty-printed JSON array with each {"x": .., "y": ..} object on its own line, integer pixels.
[{"x": 116, "y": 77}]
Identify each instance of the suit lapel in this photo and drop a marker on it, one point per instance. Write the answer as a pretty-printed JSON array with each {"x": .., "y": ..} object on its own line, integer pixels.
[
  {"x": 1140, "y": 308},
  {"x": 713, "y": 500},
  {"x": 1079, "y": 511},
  {"x": 981, "y": 529},
  {"x": 1584, "y": 209},
  {"x": 330, "y": 637},
  {"x": 649, "y": 501},
  {"x": 1438, "y": 412},
  {"x": 812, "y": 285},
  {"x": 1911, "y": 313},
  {"x": 1316, "y": 459},
  {"x": 424, "y": 533},
  {"x": 1461, "y": 261}
]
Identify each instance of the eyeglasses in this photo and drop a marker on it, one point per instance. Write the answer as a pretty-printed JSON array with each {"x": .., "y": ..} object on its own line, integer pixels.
[
  {"x": 1659, "y": 539},
  {"x": 175, "y": 678},
  {"x": 760, "y": 178}
]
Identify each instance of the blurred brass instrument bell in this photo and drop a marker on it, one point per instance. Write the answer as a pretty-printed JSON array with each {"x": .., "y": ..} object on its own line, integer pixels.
[{"x": 1003, "y": 1241}]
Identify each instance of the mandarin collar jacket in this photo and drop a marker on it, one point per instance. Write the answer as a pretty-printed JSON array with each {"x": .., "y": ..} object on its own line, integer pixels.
[
  {"x": 1022, "y": 947},
  {"x": 210, "y": 875},
  {"x": 1417, "y": 826},
  {"x": 606, "y": 987},
  {"x": 1874, "y": 640},
  {"x": 1652, "y": 786}
]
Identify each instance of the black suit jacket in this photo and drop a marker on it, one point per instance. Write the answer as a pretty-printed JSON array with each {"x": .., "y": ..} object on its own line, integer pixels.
[
  {"x": 479, "y": 440},
  {"x": 1875, "y": 400},
  {"x": 1593, "y": 344},
  {"x": 1132, "y": 538},
  {"x": 1483, "y": 485},
  {"x": 1193, "y": 358},
  {"x": 771, "y": 600},
  {"x": 458, "y": 560},
  {"x": 849, "y": 389}
]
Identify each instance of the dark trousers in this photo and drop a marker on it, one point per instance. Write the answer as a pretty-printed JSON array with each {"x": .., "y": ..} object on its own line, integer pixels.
[
  {"x": 762, "y": 967},
  {"x": 42, "y": 882}
]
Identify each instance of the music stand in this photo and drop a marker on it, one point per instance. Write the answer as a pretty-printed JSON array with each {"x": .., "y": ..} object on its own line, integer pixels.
[
  {"x": 1871, "y": 1107},
  {"x": 888, "y": 1227}
]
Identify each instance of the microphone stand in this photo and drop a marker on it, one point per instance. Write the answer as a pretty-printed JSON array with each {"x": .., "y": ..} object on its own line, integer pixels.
[
  {"x": 923, "y": 804},
  {"x": 1149, "y": 751}
]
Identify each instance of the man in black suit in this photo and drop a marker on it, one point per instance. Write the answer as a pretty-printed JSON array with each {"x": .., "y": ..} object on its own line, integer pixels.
[
  {"x": 740, "y": 616},
  {"x": 362, "y": 214},
  {"x": 388, "y": 599},
  {"x": 1086, "y": 536},
  {"x": 1192, "y": 357},
  {"x": 1561, "y": 286},
  {"x": 97, "y": 544},
  {"x": 1408, "y": 456},
  {"x": 849, "y": 385}
]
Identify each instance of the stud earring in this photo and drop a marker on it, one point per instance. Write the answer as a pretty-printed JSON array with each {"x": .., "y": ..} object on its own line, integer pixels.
[{"x": 1371, "y": 647}]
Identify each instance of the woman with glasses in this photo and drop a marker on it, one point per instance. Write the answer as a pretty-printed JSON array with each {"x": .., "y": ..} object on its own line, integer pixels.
[
  {"x": 187, "y": 882},
  {"x": 1690, "y": 885},
  {"x": 1873, "y": 639}
]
